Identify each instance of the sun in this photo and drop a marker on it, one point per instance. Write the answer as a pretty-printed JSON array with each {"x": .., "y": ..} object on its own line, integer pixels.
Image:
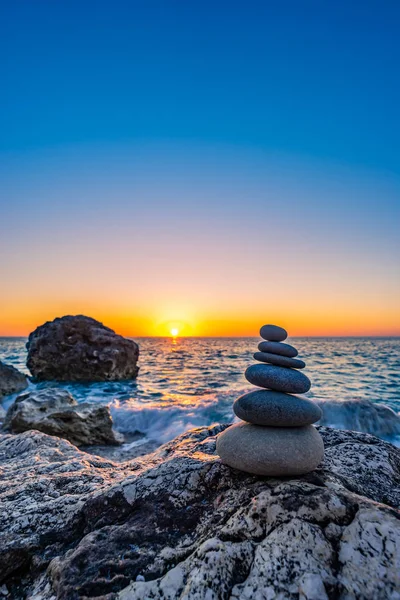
[{"x": 174, "y": 332}]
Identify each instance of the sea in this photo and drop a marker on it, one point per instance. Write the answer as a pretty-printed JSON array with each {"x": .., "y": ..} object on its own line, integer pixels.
[{"x": 192, "y": 382}]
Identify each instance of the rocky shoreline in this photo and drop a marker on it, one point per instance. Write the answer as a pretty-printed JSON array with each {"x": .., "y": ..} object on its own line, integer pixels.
[
  {"x": 104, "y": 522},
  {"x": 179, "y": 524}
]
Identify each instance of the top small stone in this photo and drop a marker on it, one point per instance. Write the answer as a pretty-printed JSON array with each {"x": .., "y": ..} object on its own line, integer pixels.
[{"x": 273, "y": 333}]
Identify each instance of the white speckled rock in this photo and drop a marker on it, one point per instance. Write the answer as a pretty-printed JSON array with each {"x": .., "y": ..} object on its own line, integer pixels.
[
  {"x": 271, "y": 451},
  {"x": 278, "y": 348},
  {"x": 306, "y": 561},
  {"x": 219, "y": 532},
  {"x": 278, "y": 378},
  {"x": 279, "y": 361},
  {"x": 275, "y": 409},
  {"x": 273, "y": 333}
]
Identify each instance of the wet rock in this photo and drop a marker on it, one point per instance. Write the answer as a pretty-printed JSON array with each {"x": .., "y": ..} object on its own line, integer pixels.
[
  {"x": 278, "y": 348},
  {"x": 278, "y": 378},
  {"x": 273, "y": 333},
  {"x": 56, "y": 412},
  {"x": 271, "y": 451},
  {"x": 279, "y": 361},
  {"x": 12, "y": 381},
  {"x": 179, "y": 524},
  {"x": 78, "y": 348},
  {"x": 275, "y": 409}
]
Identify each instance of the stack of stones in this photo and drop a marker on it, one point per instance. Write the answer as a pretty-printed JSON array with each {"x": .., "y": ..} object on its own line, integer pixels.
[{"x": 277, "y": 437}]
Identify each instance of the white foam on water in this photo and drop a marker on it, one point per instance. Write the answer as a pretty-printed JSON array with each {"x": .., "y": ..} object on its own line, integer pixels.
[
  {"x": 162, "y": 422},
  {"x": 361, "y": 415}
]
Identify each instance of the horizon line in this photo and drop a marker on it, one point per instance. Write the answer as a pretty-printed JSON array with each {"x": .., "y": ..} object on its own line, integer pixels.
[{"x": 394, "y": 336}]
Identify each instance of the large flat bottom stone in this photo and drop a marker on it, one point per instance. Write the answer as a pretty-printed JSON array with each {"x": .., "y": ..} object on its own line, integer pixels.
[{"x": 271, "y": 451}]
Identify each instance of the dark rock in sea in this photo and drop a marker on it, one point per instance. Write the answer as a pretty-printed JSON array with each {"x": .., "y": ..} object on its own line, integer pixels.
[
  {"x": 12, "y": 381},
  {"x": 56, "y": 412},
  {"x": 75, "y": 526},
  {"x": 80, "y": 349},
  {"x": 273, "y": 333},
  {"x": 271, "y": 451},
  {"x": 280, "y": 361},
  {"x": 275, "y": 409},
  {"x": 278, "y": 348},
  {"x": 278, "y": 378}
]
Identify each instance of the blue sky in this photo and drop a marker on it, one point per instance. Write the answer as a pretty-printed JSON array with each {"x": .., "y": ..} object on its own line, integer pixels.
[
  {"x": 310, "y": 77},
  {"x": 201, "y": 124}
]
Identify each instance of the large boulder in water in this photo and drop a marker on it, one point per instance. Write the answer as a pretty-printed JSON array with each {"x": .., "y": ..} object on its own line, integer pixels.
[
  {"x": 12, "y": 381},
  {"x": 56, "y": 412},
  {"x": 179, "y": 524},
  {"x": 80, "y": 349}
]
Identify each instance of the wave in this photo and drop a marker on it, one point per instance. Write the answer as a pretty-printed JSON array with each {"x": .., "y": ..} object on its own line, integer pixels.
[
  {"x": 162, "y": 421},
  {"x": 361, "y": 415}
]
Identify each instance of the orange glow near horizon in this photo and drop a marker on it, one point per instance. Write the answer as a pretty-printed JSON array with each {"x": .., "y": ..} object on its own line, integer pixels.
[
  {"x": 321, "y": 321},
  {"x": 218, "y": 298}
]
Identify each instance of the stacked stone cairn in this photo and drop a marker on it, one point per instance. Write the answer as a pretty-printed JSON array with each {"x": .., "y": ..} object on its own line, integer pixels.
[{"x": 276, "y": 436}]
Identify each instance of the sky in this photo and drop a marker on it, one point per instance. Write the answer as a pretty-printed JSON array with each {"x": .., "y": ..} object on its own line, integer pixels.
[{"x": 205, "y": 166}]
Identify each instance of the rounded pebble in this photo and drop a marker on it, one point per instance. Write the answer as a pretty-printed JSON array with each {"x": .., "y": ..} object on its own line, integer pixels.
[
  {"x": 280, "y": 361},
  {"x": 276, "y": 409},
  {"x": 273, "y": 333},
  {"x": 278, "y": 378},
  {"x": 271, "y": 451},
  {"x": 278, "y": 348}
]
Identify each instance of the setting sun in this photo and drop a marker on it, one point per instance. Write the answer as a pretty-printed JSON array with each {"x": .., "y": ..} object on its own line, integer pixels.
[{"x": 174, "y": 332}]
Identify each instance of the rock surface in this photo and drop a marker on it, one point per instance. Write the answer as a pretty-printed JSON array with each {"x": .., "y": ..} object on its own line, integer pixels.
[
  {"x": 279, "y": 361},
  {"x": 278, "y": 378},
  {"x": 12, "y": 381},
  {"x": 273, "y": 333},
  {"x": 56, "y": 412},
  {"x": 179, "y": 524},
  {"x": 278, "y": 348},
  {"x": 275, "y": 409},
  {"x": 78, "y": 348},
  {"x": 271, "y": 451}
]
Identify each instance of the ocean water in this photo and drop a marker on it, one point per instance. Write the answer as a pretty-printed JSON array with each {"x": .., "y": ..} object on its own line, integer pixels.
[{"x": 191, "y": 382}]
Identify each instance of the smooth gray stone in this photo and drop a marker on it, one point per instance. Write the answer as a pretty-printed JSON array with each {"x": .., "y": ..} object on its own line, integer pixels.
[
  {"x": 280, "y": 361},
  {"x": 278, "y": 348},
  {"x": 273, "y": 333},
  {"x": 271, "y": 451},
  {"x": 278, "y": 378},
  {"x": 275, "y": 409}
]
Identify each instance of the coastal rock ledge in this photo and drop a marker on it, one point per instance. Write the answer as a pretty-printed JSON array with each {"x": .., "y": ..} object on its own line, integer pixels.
[
  {"x": 179, "y": 524},
  {"x": 79, "y": 348}
]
